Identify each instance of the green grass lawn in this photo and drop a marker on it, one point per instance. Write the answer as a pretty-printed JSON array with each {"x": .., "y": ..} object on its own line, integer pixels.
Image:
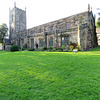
[{"x": 31, "y": 75}]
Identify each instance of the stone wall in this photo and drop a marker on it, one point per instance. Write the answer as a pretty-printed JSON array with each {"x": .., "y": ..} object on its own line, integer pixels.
[
  {"x": 17, "y": 22},
  {"x": 79, "y": 28},
  {"x": 20, "y": 18}
]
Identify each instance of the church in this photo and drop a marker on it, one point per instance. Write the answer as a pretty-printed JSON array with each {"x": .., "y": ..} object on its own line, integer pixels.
[{"x": 79, "y": 28}]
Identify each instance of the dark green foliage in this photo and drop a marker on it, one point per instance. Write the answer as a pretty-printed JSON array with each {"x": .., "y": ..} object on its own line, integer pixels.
[
  {"x": 99, "y": 18},
  {"x": 63, "y": 47},
  {"x": 44, "y": 48},
  {"x": 3, "y": 32},
  {"x": 98, "y": 23},
  {"x": 59, "y": 49},
  {"x": 24, "y": 47},
  {"x": 31, "y": 49},
  {"x": 65, "y": 50},
  {"x": 74, "y": 44},
  {"x": 14, "y": 48},
  {"x": 50, "y": 49},
  {"x": 38, "y": 50}
]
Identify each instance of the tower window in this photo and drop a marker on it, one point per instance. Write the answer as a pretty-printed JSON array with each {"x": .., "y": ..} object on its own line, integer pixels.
[{"x": 12, "y": 18}]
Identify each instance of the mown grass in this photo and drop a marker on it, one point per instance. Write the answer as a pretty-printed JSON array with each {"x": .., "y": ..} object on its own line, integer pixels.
[{"x": 50, "y": 75}]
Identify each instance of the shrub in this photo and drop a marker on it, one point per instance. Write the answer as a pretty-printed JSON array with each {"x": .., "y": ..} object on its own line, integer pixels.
[
  {"x": 63, "y": 47},
  {"x": 65, "y": 50},
  {"x": 74, "y": 44},
  {"x": 24, "y": 47},
  {"x": 38, "y": 50},
  {"x": 79, "y": 48},
  {"x": 53, "y": 50},
  {"x": 59, "y": 49},
  {"x": 31, "y": 49},
  {"x": 50, "y": 48},
  {"x": 44, "y": 48},
  {"x": 71, "y": 47},
  {"x": 69, "y": 50},
  {"x": 14, "y": 48}
]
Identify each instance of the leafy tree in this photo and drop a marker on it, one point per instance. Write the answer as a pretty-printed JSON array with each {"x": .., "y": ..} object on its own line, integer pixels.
[
  {"x": 3, "y": 32},
  {"x": 98, "y": 23}
]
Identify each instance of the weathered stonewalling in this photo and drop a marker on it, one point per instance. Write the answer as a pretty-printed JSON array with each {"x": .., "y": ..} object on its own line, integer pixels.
[
  {"x": 17, "y": 21},
  {"x": 79, "y": 28}
]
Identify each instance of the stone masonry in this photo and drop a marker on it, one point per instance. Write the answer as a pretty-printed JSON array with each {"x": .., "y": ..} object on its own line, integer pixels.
[
  {"x": 79, "y": 28},
  {"x": 17, "y": 21}
]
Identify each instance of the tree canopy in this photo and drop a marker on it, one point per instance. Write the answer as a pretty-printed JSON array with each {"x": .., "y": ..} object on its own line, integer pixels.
[
  {"x": 98, "y": 23},
  {"x": 3, "y": 31}
]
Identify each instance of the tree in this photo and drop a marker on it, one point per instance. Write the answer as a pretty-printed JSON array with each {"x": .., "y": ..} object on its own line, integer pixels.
[
  {"x": 3, "y": 32},
  {"x": 98, "y": 23}
]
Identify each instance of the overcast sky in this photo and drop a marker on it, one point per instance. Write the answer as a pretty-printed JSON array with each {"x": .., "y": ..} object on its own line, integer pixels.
[{"x": 44, "y": 11}]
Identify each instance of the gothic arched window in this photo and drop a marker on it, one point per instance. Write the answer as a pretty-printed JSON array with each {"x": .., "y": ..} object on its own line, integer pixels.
[
  {"x": 32, "y": 43},
  {"x": 50, "y": 42},
  {"x": 65, "y": 41},
  {"x": 41, "y": 43}
]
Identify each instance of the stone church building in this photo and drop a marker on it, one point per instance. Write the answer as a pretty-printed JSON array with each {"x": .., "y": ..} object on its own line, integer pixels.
[{"x": 79, "y": 28}]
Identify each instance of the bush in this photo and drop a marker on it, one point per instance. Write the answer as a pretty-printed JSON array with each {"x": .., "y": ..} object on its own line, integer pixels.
[
  {"x": 24, "y": 47},
  {"x": 65, "y": 50},
  {"x": 38, "y": 50},
  {"x": 74, "y": 44},
  {"x": 63, "y": 47},
  {"x": 53, "y": 50},
  {"x": 79, "y": 48},
  {"x": 70, "y": 50},
  {"x": 59, "y": 49},
  {"x": 31, "y": 49},
  {"x": 50, "y": 48},
  {"x": 14, "y": 48},
  {"x": 44, "y": 48},
  {"x": 71, "y": 47}
]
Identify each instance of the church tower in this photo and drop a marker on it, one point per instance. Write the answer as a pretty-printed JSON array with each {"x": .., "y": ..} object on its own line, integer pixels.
[{"x": 17, "y": 21}]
